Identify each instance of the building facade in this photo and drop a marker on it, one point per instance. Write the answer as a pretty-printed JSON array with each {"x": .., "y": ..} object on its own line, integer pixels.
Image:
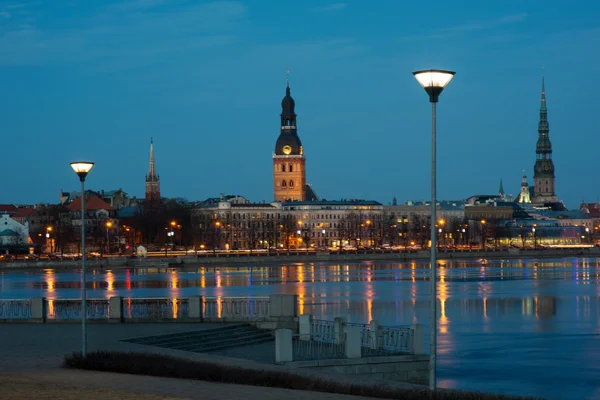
[
  {"x": 13, "y": 233},
  {"x": 288, "y": 225},
  {"x": 289, "y": 163}
]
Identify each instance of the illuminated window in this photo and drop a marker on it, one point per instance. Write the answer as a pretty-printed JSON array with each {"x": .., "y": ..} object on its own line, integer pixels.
[{"x": 291, "y": 183}]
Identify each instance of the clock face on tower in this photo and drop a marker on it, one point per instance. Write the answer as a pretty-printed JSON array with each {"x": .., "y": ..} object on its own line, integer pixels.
[
  {"x": 546, "y": 168},
  {"x": 287, "y": 149}
]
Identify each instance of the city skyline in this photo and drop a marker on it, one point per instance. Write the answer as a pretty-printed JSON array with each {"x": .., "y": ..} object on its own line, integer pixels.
[{"x": 363, "y": 120}]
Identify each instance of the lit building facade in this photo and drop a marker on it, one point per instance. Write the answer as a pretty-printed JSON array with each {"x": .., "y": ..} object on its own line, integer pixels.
[{"x": 288, "y": 225}]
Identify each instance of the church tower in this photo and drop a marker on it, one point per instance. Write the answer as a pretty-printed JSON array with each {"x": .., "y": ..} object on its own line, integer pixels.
[
  {"x": 543, "y": 176},
  {"x": 524, "y": 195},
  {"x": 289, "y": 164},
  {"x": 152, "y": 179}
]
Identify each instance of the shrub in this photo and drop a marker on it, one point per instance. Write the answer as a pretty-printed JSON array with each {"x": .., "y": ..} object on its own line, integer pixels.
[{"x": 171, "y": 367}]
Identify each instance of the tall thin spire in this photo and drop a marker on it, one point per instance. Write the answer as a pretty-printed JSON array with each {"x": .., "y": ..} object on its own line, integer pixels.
[
  {"x": 152, "y": 170},
  {"x": 501, "y": 191},
  {"x": 543, "y": 103}
]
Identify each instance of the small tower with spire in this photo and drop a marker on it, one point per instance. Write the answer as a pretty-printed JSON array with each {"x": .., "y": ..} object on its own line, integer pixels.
[
  {"x": 543, "y": 176},
  {"x": 152, "y": 179},
  {"x": 524, "y": 195}
]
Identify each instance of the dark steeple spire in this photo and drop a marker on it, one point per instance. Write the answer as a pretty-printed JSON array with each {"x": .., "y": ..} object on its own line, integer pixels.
[
  {"x": 544, "y": 147},
  {"x": 501, "y": 191},
  {"x": 543, "y": 176},
  {"x": 288, "y": 142}
]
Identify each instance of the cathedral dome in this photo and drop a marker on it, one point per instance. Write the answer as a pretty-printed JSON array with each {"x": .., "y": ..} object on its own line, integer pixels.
[{"x": 288, "y": 144}]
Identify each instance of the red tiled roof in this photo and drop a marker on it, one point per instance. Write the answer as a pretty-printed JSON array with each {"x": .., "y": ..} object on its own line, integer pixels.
[
  {"x": 8, "y": 208},
  {"x": 91, "y": 203},
  {"x": 24, "y": 212},
  {"x": 594, "y": 210}
]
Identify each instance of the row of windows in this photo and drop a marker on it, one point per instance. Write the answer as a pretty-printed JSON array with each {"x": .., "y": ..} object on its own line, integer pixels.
[
  {"x": 285, "y": 184},
  {"x": 287, "y": 167}
]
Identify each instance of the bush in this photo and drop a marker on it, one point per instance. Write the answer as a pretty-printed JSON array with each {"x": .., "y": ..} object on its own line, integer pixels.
[{"x": 171, "y": 367}]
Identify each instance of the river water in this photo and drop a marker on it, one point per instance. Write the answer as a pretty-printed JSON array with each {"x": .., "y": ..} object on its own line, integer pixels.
[{"x": 528, "y": 327}]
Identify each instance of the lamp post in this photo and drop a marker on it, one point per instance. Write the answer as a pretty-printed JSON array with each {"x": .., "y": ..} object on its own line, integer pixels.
[
  {"x": 49, "y": 239},
  {"x": 82, "y": 168},
  {"x": 483, "y": 234},
  {"x": 433, "y": 81},
  {"x": 108, "y": 226}
]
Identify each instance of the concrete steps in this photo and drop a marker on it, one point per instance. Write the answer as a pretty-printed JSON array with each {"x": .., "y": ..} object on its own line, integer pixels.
[{"x": 208, "y": 340}]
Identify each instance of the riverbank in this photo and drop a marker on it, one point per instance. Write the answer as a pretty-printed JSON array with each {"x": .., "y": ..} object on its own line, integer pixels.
[{"x": 190, "y": 263}]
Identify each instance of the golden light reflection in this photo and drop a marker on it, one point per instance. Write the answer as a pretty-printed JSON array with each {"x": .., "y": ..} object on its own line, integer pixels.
[
  {"x": 202, "y": 280},
  {"x": 50, "y": 307},
  {"x": 218, "y": 279},
  {"x": 174, "y": 280},
  {"x": 443, "y": 296},
  {"x": 301, "y": 289},
  {"x": 110, "y": 281},
  {"x": 219, "y": 301},
  {"x": 175, "y": 307},
  {"x": 50, "y": 280}
]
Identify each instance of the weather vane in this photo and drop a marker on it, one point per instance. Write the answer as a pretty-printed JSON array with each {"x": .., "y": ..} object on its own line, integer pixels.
[{"x": 287, "y": 77}]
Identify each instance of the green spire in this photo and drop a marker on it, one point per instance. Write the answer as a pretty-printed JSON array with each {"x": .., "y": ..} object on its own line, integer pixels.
[
  {"x": 543, "y": 104},
  {"x": 501, "y": 191}
]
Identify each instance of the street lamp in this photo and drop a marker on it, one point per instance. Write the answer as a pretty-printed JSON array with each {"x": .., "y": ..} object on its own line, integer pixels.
[
  {"x": 49, "y": 240},
  {"x": 433, "y": 81},
  {"x": 82, "y": 168},
  {"x": 109, "y": 224}
]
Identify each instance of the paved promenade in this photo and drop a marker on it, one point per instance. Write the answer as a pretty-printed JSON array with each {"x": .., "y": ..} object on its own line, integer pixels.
[{"x": 34, "y": 352}]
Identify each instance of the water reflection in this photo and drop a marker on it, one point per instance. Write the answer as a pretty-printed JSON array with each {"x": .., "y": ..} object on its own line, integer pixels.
[{"x": 505, "y": 318}]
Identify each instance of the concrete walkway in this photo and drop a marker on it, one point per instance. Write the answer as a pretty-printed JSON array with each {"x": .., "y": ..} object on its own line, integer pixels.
[{"x": 36, "y": 351}]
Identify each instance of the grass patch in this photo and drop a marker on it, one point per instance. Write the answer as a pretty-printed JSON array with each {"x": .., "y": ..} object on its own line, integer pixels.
[{"x": 172, "y": 367}]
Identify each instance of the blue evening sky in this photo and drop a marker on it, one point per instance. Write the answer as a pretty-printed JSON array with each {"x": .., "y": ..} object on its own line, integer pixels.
[{"x": 96, "y": 79}]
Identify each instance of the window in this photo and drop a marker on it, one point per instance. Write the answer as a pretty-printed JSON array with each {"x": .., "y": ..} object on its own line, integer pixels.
[
  {"x": 283, "y": 184},
  {"x": 291, "y": 167},
  {"x": 282, "y": 167},
  {"x": 291, "y": 183}
]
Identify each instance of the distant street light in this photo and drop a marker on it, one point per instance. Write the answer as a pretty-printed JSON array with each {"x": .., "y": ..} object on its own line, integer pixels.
[
  {"x": 82, "y": 168},
  {"x": 433, "y": 81}
]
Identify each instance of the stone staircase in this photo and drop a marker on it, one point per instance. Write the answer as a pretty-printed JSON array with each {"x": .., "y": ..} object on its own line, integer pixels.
[{"x": 208, "y": 340}]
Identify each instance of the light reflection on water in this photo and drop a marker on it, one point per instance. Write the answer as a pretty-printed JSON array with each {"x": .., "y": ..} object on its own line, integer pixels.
[{"x": 507, "y": 326}]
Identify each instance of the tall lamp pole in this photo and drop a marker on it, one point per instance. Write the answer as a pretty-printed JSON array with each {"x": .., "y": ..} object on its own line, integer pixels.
[
  {"x": 82, "y": 168},
  {"x": 433, "y": 81}
]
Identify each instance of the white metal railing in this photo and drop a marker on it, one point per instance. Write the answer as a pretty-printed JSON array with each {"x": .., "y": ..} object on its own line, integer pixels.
[
  {"x": 64, "y": 309},
  {"x": 15, "y": 309},
  {"x": 318, "y": 347},
  {"x": 236, "y": 307}
]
